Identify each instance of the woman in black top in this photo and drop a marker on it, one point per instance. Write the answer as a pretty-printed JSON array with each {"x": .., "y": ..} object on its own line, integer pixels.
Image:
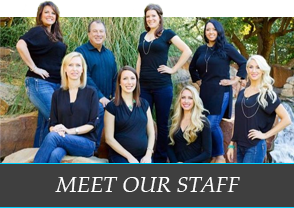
[
  {"x": 190, "y": 133},
  {"x": 155, "y": 75},
  {"x": 255, "y": 112},
  {"x": 74, "y": 115},
  {"x": 210, "y": 68},
  {"x": 42, "y": 49},
  {"x": 129, "y": 129}
]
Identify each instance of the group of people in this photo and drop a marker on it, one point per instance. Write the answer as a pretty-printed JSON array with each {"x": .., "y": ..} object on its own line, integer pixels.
[{"x": 81, "y": 93}]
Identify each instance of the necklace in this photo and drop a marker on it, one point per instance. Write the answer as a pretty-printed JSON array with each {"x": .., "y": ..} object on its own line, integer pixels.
[
  {"x": 146, "y": 53},
  {"x": 243, "y": 104},
  {"x": 132, "y": 106},
  {"x": 207, "y": 59}
]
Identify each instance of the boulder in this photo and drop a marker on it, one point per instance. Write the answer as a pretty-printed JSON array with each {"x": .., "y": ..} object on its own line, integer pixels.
[
  {"x": 8, "y": 94},
  {"x": 27, "y": 156},
  {"x": 281, "y": 74},
  {"x": 17, "y": 133}
]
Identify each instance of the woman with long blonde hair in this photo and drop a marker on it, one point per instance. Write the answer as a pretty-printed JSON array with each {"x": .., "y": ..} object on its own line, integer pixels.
[
  {"x": 190, "y": 135},
  {"x": 255, "y": 112}
]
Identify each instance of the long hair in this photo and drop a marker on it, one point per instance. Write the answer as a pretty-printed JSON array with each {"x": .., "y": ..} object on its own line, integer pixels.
[
  {"x": 158, "y": 10},
  {"x": 221, "y": 38},
  {"x": 197, "y": 117},
  {"x": 55, "y": 34},
  {"x": 118, "y": 100},
  {"x": 266, "y": 83},
  {"x": 65, "y": 62}
]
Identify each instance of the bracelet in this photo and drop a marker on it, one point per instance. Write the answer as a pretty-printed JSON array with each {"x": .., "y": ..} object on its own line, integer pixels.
[
  {"x": 231, "y": 146},
  {"x": 150, "y": 149}
]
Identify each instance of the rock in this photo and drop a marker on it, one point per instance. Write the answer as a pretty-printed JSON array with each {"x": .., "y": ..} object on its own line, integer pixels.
[
  {"x": 7, "y": 96},
  {"x": 287, "y": 92},
  {"x": 5, "y": 52},
  {"x": 17, "y": 133},
  {"x": 290, "y": 80},
  {"x": 288, "y": 86},
  {"x": 27, "y": 156},
  {"x": 280, "y": 75}
]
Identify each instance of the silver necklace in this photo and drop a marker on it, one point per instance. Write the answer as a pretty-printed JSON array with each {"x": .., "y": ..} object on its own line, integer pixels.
[
  {"x": 146, "y": 53},
  {"x": 207, "y": 59},
  {"x": 243, "y": 104}
]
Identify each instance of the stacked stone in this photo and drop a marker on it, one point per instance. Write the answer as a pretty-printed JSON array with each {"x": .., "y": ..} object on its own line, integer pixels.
[{"x": 288, "y": 88}]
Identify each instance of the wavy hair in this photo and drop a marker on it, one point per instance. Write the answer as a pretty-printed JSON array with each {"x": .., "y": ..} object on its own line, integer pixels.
[
  {"x": 65, "y": 62},
  {"x": 197, "y": 117},
  {"x": 118, "y": 100},
  {"x": 158, "y": 10},
  {"x": 55, "y": 34},
  {"x": 266, "y": 83},
  {"x": 221, "y": 38}
]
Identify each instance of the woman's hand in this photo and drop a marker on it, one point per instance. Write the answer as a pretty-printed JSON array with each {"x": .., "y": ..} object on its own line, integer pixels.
[
  {"x": 165, "y": 69},
  {"x": 227, "y": 82},
  {"x": 254, "y": 134},
  {"x": 146, "y": 159},
  {"x": 43, "y": 73},
  {"x": 132, "y": 160},
  {"x": 230, "y": 155},
  {"x": 60, "y": 129}
]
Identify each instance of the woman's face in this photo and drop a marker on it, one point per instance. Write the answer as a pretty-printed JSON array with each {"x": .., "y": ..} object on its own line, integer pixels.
[
  {"x": 74, "y": 68},
  {"x": 253, "y": 71},
  {"x": 48, "y": 16},
  {"x": 152, "y": 19},
  {"x": 187, "y": 101},
  {"x": 128, "y": 81},
  {"x": 210, "y": 32}
]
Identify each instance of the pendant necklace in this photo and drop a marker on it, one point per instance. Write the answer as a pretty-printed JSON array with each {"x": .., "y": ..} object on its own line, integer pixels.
[
  {"x": 146, "y": 53},
  {"x": 207, "y": 59},
  {"x": 132, "y": 106},
  {"x": 243, "y": 105}
]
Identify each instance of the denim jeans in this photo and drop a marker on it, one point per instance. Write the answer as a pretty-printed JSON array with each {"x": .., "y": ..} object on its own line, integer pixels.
[
  {"x": 255, "y": 154},
  {"x": 162, "y": 99},
  {"x": 216, "y": 131},
  {"x": 40, "y": 94},
  {"x": 55, "y": 147},
  {"x": 100, "y": 125}
]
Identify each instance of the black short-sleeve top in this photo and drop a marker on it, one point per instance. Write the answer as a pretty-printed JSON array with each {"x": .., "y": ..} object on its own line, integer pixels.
[
  {"x": 250, "y": 115},
  {"x": 153, "y": 54},
  {"x": 130, "y": 127},
  {"x": 46, "y": 54}
]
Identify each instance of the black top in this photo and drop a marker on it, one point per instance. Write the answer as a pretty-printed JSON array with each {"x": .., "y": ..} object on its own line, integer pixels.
[
  {"x": 155, "y": 53},
  {"x": 130, "y": 127},
  {"x": 218, "y": 68},
  {"x": 196, "y": 152},
  {"x": 46, "y": 54},
  {"x": 262, "y": 119},
  {"x": 84, "y": 110},
  {"x": 102, "y": 71}
]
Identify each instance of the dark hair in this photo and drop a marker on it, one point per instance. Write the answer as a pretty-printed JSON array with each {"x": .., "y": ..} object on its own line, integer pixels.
[
  {"x": 221, "y": 38},
  {"x": 55, "y": 34},
  {"x": 118, "y": 100},
  {"x": 98, "y": 22},
  {"x": 158, "y": 10}
]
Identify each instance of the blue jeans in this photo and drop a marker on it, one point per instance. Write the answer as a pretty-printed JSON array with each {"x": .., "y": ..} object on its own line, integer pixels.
[
  {"x": 100, "y": 125},
  {"x": 216, "y": 131},
  {"x": 255, "y": 154},
  {"x": 40, "y": 94},
  {"x": 162, "y": 99},
  {"x": 55, "y": 147}
]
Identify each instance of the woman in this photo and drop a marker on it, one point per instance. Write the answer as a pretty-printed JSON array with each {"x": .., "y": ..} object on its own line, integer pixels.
[
  {"x": 190, "y": 130},
  {"x": 74, "y": 115},
  {"x": 210, "y": 68},
  {"x": 129, "y": 129},
  {"x": 256, "y": 108},
  {"x": 155, "y": 75},
  {"x": 42, "y": 49}
]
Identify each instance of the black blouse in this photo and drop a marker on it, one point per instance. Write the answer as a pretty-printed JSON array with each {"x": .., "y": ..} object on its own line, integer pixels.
[
  {"x": 83, "y": 111},
  {"x": 130, "y": 127},
  {"x": 46, "y": 54}
]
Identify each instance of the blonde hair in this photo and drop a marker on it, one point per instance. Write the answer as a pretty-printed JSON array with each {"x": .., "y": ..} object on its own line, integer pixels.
[
  {"x": 65, "y": 62},
  {"x": 266, "y": 84},
  {"x": 197, "y": 117}
]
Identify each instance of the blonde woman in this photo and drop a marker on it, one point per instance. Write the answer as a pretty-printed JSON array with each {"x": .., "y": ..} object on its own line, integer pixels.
[
  {"x": 190, "y": 135},
  {"x": 74, "y": 115},
  {"x": 255, "y": 112}
]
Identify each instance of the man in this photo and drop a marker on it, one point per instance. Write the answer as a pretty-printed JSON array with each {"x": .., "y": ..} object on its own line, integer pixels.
[{"x": 102, "y": 71}]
